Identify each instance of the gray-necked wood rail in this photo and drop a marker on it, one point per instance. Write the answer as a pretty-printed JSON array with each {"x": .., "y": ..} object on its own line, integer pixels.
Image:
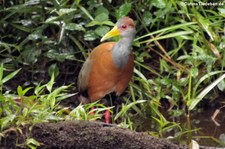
[{"x": 109, "y": 67}]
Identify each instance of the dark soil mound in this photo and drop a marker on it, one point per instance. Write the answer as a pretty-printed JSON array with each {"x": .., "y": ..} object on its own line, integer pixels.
[{"x": 85, "y": 135}]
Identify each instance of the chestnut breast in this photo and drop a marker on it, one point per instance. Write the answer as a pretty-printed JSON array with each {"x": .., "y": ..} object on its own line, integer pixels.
[{"x": 100, "y": 75}]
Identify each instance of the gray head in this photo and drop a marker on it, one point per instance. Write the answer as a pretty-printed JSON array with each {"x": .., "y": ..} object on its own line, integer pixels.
[{"x": 126, "y": 27}]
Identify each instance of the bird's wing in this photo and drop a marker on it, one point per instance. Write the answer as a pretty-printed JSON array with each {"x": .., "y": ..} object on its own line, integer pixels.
[{"x": 84, "y": 75}]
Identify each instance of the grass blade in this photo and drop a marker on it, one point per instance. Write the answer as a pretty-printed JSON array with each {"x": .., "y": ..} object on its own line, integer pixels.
[{"x": 192, "y": 104}]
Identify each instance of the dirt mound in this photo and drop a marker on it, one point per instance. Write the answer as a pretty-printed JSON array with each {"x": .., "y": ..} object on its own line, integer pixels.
[{"x": 85, "y": 135}]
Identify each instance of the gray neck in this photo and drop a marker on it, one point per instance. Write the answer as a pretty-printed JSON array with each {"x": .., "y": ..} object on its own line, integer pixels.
[{"x": 121, "y": 51}]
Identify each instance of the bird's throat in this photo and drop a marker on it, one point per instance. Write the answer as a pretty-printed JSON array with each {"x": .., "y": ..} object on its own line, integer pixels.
[{"x": 121, "y": 51}]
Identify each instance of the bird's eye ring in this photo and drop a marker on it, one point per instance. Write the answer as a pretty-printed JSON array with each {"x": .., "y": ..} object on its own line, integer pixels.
[{"x": 123, "y": 26}]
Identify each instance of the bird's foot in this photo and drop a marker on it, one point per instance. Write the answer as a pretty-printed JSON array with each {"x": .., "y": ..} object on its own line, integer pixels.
[{"x": 107, "y": 116}]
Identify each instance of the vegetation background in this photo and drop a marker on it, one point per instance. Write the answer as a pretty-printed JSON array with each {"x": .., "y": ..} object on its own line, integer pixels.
[{"x": 179, "y": 61}]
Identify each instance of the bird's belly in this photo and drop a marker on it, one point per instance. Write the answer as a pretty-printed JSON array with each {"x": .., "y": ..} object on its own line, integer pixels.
[
  {"x": 101, "y": 84},
  {"x": 105, "y": 76}
]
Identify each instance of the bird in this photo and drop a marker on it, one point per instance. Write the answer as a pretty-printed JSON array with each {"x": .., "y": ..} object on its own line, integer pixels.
[{"x": 109, "y": 67}]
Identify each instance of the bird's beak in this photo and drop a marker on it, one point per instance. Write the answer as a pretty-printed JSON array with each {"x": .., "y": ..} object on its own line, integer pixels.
[{"x": 113, "y": 32}]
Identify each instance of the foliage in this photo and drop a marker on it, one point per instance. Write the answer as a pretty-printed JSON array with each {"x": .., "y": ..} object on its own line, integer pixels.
[
  {"x": 179, "y": 57},
  {"x": 18, "y": 110}
]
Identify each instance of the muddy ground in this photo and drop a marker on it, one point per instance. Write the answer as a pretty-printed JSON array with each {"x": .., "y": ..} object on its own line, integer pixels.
[{"x": 84, "y": 135}]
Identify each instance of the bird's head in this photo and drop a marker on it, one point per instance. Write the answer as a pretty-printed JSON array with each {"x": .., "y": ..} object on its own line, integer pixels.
[{"x": 124, "y": 27}]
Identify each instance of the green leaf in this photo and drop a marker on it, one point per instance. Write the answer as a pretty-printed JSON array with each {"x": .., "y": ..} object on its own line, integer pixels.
[
  {"x": 222, "y": 11},
  {"x": 173, "y": 34},
  {"x": 35, "y": 36},
  {"x": 123, "y": 10},
  {"x": 52, "y": 97},
  {"x": 194, "y": 72},
  {"x": 30, "y": 54},
  {"x": 26, "y": 90},
  {"x": 158, "y": 3},
  {"x": 53, "y": 69},
  {"x": 101, "y": 10},
  {"x": 147, "y": 18},
  {"x": 32, "y": 143},
  {"x": 49, "y": 85},
  {"x": 65, "y": 96},
  {"x": 22, "y": 28},
  {"x": 109, "y": 23},
  {"x": 102, "y": 17},
  {"x": 102, "y": 30},
  {"x": 125, "y": 108},
  {"x": 5, "y": 121},
  {"x": 192, "y": 103},
  {"x": 65, "y": 11},
  {"x": 32, "y": 2},
  {"x": 94, "y": 23},
  {"x": 203, "y": 78},
  {"x": 1, "y": 74},
  {"x": 167, "y": 29},
  {"x": 20, "y": 91},
  {"x": 51, "y": 19},
  {"x": 90, "y": 36},
  {"x": 221, "y": 85},
  {"x": 52, "y": 54},
  {"x": 39, "y": 89},
  {"x": 85, "y": 11},
  {"x": 206, "y": 25},
  {"x": 10, "y": 76},
  {"x": 73, "y": 27},
  {"x": 25, "y": 111}
]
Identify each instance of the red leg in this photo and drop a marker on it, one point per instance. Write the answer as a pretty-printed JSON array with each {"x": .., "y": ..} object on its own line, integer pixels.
[
  {"x": 92, "y": 111},
  {"x": 107, "y": 116}
]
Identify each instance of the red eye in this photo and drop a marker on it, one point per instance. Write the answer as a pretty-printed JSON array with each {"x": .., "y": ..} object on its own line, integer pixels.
[{"x": 123, "y": 26}]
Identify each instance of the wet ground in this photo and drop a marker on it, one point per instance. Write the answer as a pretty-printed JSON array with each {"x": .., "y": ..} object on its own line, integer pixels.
[
  {"x": 209, "y": 130},
  {"x": 206, "y": 132},
  {"x": 84, "y": 135}
]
